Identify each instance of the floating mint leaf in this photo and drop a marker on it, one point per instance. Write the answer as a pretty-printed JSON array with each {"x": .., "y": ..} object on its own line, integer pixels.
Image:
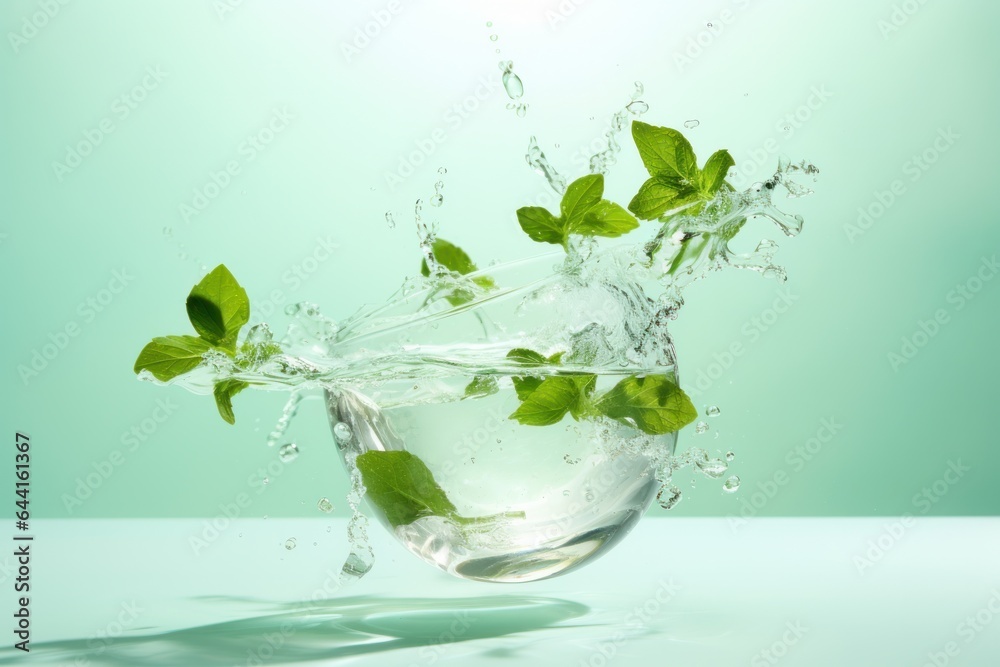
[
  {"x": 402, "y": 486},
  {"x": 218, "y": 308},
  {"x": 453, "y": 258},
  {"x": 481, "y": 385},
  {"x": 166, "y": 357},
  {"x": 652, "y": 403},
  {"x": 526, "y": 357},
  {"x": 224, "y": 392},
  {"x": 583, "y": 211},
  {"x": 549, "y": 402},
  {"x": 714, "y": 173}
]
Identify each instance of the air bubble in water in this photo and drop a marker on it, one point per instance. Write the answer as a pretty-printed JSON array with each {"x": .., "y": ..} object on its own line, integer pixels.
[
  {"x": 732, "y": 485},
  {"x": 342, "y": 432},
  {"x": 637, "y": 108},
  {"x": 701, "y": 427},
  {"x": 668, "y": 497},
  {"x": 691, "y": 124},
  {"x": 325, "y": 505},
  {"x": 713, "y": 411},
  {"x": 290, "y": 543},
  {"x": 288, "y": 452}
]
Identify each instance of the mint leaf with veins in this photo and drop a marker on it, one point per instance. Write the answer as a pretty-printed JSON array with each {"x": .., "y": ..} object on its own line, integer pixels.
[
  {"x": 218, "y": 308},
  {"x": 583, "y": 211}
]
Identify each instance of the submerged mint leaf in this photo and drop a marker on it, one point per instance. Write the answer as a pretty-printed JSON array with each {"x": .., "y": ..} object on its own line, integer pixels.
[
  {"x": 482, "y": 385},
  {"x": 652, "y": 403},
  {"x": 224, "y": 392},
  {"x": 166, "y": 357},
  {"x": 714, "y": 173},
  {"x": 665, "y": 152},
  {"x": 453, "y": 258},
  {"x": 218, "y": 308},
  {"x": 402, "y": 486},
  {"x": 549, "y": 402},
  {"x": 526, "y": 357}
]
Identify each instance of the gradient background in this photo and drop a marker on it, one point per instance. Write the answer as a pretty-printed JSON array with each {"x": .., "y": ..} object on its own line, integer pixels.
[{"x": 356, "y": 118}]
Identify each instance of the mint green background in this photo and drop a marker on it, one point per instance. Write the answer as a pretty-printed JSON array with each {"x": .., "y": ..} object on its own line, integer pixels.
[{"x": 324, "y": 176}]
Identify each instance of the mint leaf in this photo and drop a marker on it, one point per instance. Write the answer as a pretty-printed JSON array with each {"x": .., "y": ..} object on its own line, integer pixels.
[
  {"x": 714, "y": 174},
  {"x": 166, "y": 357},
  {"x": 218, "y": 308},
  {"x": 526, "y": 357},
  {"x": 653, "y": 404},
  {"x": 583, "y": 211},
  {"x": 665, "y": 152},
  {"x": 581, "y": 196},
  {"x": 525, "y": 385},
  {"x": 402, "y": 486},
  {"x": 549, "y": 402},
  {"x": 541, "y": 225},
  {"x": 481, "y": 385},
  {"x": 224, "y": 392}
]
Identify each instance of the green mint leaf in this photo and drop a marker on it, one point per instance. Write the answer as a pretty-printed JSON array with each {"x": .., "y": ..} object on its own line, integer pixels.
[
  {"x": 665, "y": 152},
  {"x": 453, "y": 258},
  {"x": 402, "y": 486},
  {"x": 481, "y": 385},
  {"x": 652, "y": 403},
  {"x": 541, "y": 225},
  {"x": 526, "y": 357},
  {"x": 218, "y": 308},
  {"x": 224, "y": 392},
  {"x": 714, "y": 173},
  {"x": 659, "y": 195},
  {"x": 581, "y": 196},
  {"x": 549, "y": 402},
  {"x": 585, "y": 384},
  {"x": 606, "y": 219},
  {"x": 523, "y": 386},
  {"x": 166, "y": 357}
]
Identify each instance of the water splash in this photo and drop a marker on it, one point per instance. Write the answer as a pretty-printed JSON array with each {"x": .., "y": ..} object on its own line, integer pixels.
[
  {"x": 603, "y": 160},
  {"x": 536, "y": 160}
]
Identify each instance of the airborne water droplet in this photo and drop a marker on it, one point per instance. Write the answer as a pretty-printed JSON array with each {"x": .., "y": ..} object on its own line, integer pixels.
[
  {"x": 731, "y": 485},
  {"x": 730, "y": 456},
  {"x": 668, "y": 497},
  {"x": 288, "y": 452},
  {"x": 511, "y": 81},
  {"x": 290, "y": 543},
  {"x": 713, "y": 411},
  {"x": 691, "y": 124},
  {"x": 637, "y": 108},
  {"x": 325, "y": 505},
  {"x": 389, "y": 220},
  {"x": 701, "y": 427},
  {"x": 493, "y": 38}
]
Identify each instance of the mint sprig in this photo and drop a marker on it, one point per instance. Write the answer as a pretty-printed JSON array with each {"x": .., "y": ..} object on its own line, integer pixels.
[
  {"x": 218, "y": 308},
  {"x": 675, "y": 179},
  {"x": 583, "y": 211},
  {"x": 453, "y": 258}
]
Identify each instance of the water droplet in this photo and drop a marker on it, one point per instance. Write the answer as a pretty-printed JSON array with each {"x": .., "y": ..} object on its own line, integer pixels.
[
  {"x": 521, "y": 110},
  {"x": 714, "y": 468},
  {"x": 259, "y": 334},
  {"x": 489, "y": 24},
  {"x": 691, "y": 124},
  {"x": 325, "y": 505},
  {"x": 511, "y": 81},
  {"x": 730, "y": 456},
  {"x": 571, "y": 459},
  {"x": 713, "y": 411},
  {"x": 442, "y": 171},
  {"x": 637, "y": 108},
  {"x": 437, "y": 200},
  {"x": 356, "y": 566},
  {"x": 731, "y": 485},
  {"x": 342, "y": 432},
  {"x": 329, "y": 528},
  {"x": 290, "y": 543},
  {"x": 266, "y": 480},
  {"x": 566, "y": 492},
  {"x": 668, "y": 497},
  {"x": 701, "y": 427},
  {"x": 168, "y": 231},
  {"x": 709, "y": 25},
  {"x": 288, "y": 452},
  {"x": 589, "y": 496},
  {"x": 639, "y": 89},
  {"x": 389, "y": 220},
  {"x": 493, "y": 38}
]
